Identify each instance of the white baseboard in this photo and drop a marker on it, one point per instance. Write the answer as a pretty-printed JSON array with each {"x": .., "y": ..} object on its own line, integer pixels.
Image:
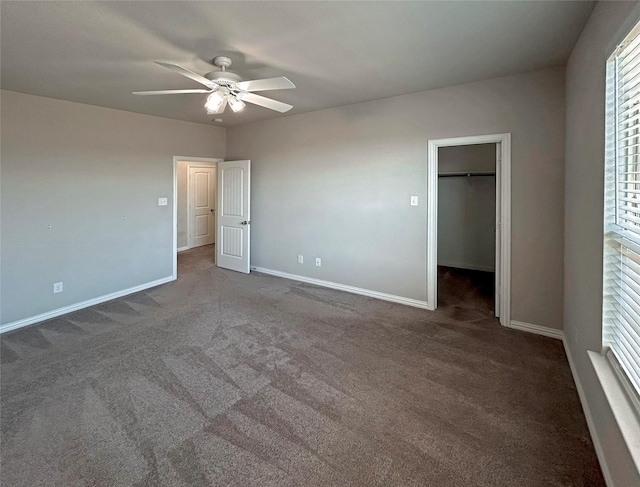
[
  {"x": 84, "y": 304},
  {"x": 472, "y": 267},
  {"x": 537, "y": 329},
  {"x": 182, "y": 249},
  {"x": 589, "y": 417},
  {"x": 343, "y": 287}
]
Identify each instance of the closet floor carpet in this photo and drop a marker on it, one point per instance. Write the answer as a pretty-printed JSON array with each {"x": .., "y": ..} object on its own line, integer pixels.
[{"x": 228, "y": 379}]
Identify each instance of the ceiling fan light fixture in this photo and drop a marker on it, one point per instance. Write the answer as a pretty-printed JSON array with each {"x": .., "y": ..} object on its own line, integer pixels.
[
  {"x": 236, "y": 104},
  {"x": 227, "y": 88},
  {"x": 214, "y": 102}
]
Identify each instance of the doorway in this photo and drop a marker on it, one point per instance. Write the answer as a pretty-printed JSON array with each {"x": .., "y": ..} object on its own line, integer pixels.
[
  {"x": 185, "y": 224},
  {"x": 232, "y": 208},
  {"x": 466, "y": 227},
  {"x": 201, "y": 208},
  {"x": 474, "y": 255}
]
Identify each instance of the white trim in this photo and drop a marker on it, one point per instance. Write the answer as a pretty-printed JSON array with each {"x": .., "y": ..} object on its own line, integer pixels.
[
  {"x": 343, "y": 287},
  {"x": 174, "y": 226},
  {"x": 497, "y": 294},
  {"x": 182, "y": 249},
  {"x": 432, "y": 225},
  {"x": 589, "y": 417},
  {"x": 472, "y": 267},
  {"x": 186, "y": 159},
  {"x": 624, "y": 409},
  {"x": 197, "y": 159},
  {"x": 503, "y": 187},
  {"x": 537, "y": 329},
  {"x": 84, "y": 304}
]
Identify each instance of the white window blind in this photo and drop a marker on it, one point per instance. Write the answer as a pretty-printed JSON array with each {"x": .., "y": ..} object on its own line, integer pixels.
[{"x": 621, "y": 307}]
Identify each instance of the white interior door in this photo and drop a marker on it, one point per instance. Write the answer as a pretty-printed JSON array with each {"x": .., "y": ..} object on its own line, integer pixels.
[
  {"x": 202, "y": 205},
  {"x": 234, "y": 215}
]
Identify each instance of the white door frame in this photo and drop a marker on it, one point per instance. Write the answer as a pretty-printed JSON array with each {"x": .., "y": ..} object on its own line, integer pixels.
[
  {"x": 503, "y": 217},
  {"x": 198, "y": 161}
]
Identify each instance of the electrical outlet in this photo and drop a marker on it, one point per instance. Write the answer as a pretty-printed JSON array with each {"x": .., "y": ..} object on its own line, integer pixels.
[
  {"x": 162, "y": 201},
  {"x": 318, "y": 261},
  {"x": 300, "y": 259},
  {"x": 57, "y": 287}
]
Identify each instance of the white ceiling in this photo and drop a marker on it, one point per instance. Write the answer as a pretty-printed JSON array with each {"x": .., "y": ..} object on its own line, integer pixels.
[{"x": 336, "y": 53}]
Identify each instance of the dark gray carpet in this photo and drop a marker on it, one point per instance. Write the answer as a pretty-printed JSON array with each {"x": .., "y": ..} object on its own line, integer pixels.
[{"x": 228, "y": 379}]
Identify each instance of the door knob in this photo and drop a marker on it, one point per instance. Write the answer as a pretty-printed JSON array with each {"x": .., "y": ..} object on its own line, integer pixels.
[{"x": 245, "y": 222}]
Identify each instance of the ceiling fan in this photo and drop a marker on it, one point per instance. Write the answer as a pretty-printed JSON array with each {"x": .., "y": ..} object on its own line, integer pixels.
[{"x": 228, "y": 88}]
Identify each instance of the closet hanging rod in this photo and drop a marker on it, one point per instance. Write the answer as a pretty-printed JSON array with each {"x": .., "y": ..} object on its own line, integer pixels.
[{"x": 466, "y": 174}]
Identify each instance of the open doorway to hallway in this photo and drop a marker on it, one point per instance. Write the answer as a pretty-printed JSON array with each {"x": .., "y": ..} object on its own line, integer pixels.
[{"x": 195, "y": 204}]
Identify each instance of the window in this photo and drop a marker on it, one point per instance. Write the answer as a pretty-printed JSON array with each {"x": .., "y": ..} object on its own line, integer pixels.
[{"x": 621, "y": 306}]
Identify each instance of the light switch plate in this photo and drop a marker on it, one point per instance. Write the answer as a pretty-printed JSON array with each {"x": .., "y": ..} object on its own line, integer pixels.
[
  {"x": 162, "y": 201},
  {"x": 414, "y": 201}
]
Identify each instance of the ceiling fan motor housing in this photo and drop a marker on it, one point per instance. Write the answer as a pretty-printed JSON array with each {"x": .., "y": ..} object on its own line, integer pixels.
[
  {"x": 223, "y": 77},
  {"x": 222, "y": 62}
]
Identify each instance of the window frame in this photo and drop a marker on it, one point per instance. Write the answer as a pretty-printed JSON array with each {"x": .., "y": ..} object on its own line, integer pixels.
[{"x": 621, "y": 242}]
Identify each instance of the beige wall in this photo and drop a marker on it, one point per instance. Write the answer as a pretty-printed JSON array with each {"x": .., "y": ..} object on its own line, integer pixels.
[
  {"x": 182, "y": 210},
  {"x": 336, "y": 184},
  {"x": 584, "y": 208},
  {"x": 82, "y": 169},
  {"x": 466, "y": 222}
]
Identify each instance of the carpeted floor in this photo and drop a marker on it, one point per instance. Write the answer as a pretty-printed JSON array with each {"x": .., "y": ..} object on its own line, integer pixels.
[
  {"x": 474, "y": 288},
  {"x": 228, "y": 379}
]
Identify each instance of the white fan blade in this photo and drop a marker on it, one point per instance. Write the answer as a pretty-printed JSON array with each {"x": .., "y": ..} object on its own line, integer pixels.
[
  {"x": 189, "y": 74},
  {"x": 220, "y": 110},
  {"x": 278, "y": 106},
  {"x": 280, "y": 83},
  {"x": 170, "y": 92}
]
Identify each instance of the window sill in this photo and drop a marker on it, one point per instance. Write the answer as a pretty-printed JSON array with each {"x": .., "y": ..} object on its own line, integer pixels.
[{"x": 623, "y": 409}]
